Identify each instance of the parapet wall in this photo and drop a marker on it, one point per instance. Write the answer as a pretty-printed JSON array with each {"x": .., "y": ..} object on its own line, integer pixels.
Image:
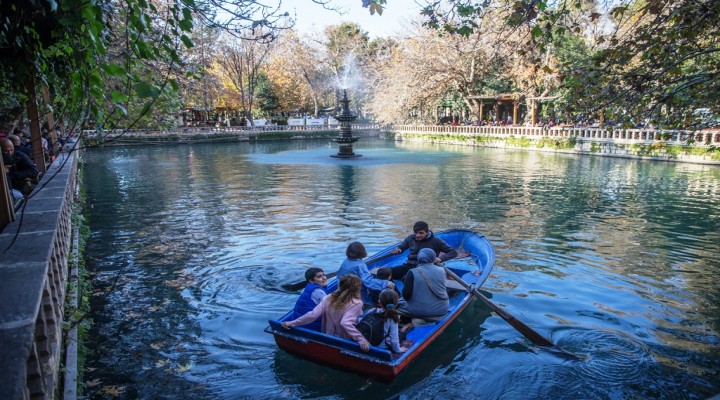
[{"x": 33, "y": 278}]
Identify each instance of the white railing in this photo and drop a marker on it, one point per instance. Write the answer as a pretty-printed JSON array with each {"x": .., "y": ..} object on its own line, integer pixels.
[
  {"x": 697, "y": 138},
  {"x": 222, "y": 130}
]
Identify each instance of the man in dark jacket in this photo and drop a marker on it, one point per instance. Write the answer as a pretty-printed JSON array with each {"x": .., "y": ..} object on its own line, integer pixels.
[
  {"x": 422, "y": 238},
  {"x": 18, "y": 166}
]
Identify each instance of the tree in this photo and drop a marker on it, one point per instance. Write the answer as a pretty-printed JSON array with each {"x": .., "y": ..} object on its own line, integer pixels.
[
  {"x": 298, "y": 74},
  {"x": 241, "y": 62},
  {"x": 653, "y": 59},
  {"x": 267, "y": 101},
  {"x": 66, "y": 45}
]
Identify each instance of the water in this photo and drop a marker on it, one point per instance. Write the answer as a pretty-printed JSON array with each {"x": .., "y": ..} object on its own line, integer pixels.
[{"x": 615, "y": 260}]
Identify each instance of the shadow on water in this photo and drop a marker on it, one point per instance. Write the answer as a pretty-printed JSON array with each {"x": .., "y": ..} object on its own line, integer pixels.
[{"x": 313, "y": 380}]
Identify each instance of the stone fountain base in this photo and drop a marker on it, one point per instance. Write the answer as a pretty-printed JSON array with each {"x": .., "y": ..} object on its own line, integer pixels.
[{"x": 346, "y": 147}]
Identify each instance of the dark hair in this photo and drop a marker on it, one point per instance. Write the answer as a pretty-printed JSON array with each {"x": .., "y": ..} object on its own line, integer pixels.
[
  {"x": 421, "y": 226},
  {"x": 384, "y": 273},
  {"x": 310, "y": 273},
  {"x": 355, "y": 250},
  {"x": 390, "y": 297}
]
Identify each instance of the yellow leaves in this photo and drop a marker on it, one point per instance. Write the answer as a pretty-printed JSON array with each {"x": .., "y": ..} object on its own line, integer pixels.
[
  {"x": 161, "y": 363},
  {"x": 183, "y": 368},
  {"x": 107, "y": 390},
  {"x": 112, "y": 391},
  {"x": 93, "y": 383}
]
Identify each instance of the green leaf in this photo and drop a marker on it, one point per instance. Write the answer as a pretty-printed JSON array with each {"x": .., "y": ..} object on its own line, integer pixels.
[
  {"x": 186, "y": 40},
  {"x": 145, "y": 90},
  {"x": 95, "y": 78},
  {"x": 114, "y": 69},
  {"x": 118, "y": 97},
  {"x": 465, "y": 30},
  {"x": 186, "y": 25},
  {"x": 536, "y": 32}
]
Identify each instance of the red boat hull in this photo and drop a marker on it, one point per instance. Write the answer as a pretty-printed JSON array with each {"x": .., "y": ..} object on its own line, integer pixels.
[{"x": 339, "y": 358}]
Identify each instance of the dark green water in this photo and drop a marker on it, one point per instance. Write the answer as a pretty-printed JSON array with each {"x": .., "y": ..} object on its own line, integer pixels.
[{"x": 616, "y": 260}]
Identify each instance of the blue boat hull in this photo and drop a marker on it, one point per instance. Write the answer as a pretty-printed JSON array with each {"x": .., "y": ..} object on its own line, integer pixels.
[{"x": 474, "y": 264}]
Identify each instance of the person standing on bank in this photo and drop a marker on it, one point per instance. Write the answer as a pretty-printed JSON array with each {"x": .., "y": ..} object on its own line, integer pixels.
[
  {"x": 354, "y": 264},
  {"x": 424, "y": 290},
  {"x": 422, "y": 238},
  {"x": 340, "y": 312},
  {"x": 315, "y": 291}
]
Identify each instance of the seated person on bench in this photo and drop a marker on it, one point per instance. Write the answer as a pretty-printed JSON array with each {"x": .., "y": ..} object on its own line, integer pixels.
[{"x": 424, "y": 290}]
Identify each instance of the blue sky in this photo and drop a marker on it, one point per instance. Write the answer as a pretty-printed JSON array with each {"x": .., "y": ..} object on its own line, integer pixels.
[{"x": 312, "y": 17}]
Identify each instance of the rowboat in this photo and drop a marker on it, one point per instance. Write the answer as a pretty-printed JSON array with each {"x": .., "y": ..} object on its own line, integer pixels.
[{"x": 473, "y": 265}]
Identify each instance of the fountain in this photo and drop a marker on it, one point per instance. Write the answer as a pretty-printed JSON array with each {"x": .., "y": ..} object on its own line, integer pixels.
[{"x": 346, "y": 139}]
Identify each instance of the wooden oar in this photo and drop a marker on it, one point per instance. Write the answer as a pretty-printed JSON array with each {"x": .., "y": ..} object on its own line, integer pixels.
[
  {"x": 299, "y": 285},
  {"x": 517, "y": 324}
]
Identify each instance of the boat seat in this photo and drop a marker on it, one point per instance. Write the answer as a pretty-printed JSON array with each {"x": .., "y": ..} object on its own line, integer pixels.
[{"x": 451, "y": 284}]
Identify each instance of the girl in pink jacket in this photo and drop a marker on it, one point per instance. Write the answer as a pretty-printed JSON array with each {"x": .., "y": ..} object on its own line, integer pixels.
[{"x": 340, "y": 312}]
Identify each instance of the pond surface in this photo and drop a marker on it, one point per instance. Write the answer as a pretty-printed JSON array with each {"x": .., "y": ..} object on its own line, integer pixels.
[{"x": 612, "y": 259}]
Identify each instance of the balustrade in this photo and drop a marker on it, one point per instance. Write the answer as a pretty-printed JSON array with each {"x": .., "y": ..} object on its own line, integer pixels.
[
  {"x": 212, "y": 130},
  {"x": 641, "y": 136},
  {"x": 34, "y": 273}
]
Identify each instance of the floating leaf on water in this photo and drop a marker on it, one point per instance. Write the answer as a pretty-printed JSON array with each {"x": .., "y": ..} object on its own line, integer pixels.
[
  {"x": 113, "y": 391},
  {"x": 183, "y": 368},
  {"x": 93, "y": 383}
]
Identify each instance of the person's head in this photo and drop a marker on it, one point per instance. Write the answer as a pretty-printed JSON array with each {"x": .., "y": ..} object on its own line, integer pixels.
[
  {"x": 384, "y": 273},
  {"x": 389, "y": 301},
  {"x": 350, "y": 283},
  {"x": 421, "y": 230},
  {"x": 348, "y": 289},
  {"x": 316, "y": 275},
  {"x": 426, "y": 255},
  {"x": 15, "y": 140},
  {"x": 355, "y": 251},
  {"x": 8, "y": 149}
]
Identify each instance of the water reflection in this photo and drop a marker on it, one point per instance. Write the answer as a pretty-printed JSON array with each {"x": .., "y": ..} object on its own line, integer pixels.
[{"x": 612, "y": 259}]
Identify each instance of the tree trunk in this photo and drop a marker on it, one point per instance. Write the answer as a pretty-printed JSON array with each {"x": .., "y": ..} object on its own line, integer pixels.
[{"x": 34, "y": 117}]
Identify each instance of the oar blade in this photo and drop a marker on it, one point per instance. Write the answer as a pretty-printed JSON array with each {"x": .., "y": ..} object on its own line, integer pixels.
[{"x": 525, "y": 330}]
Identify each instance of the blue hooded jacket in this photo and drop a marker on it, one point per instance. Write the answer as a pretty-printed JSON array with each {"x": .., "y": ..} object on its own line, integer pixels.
[{"x": 305, "y": 304}]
